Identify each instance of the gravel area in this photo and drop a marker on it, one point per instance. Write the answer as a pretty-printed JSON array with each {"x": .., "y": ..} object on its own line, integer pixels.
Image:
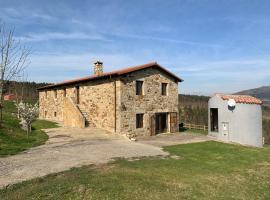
[{"x": 71, "y": 147}]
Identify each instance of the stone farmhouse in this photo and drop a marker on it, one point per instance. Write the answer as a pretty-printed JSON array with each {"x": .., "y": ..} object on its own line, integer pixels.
[{"x": 140, "y": 100}]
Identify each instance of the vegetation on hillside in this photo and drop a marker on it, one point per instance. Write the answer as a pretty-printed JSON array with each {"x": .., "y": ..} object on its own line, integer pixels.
[
  {"x": 26, "y": 91},
  {"x": 207, "y": 170},
  {"x": 193, "y": 109},
  {"x": 261, "y": 93},
  {"x": 13, "y": 139}
]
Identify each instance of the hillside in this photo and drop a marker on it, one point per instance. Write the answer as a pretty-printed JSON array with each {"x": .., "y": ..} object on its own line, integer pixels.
[
  {"x": 193, "y": 109},
  {"x": 262, "y": 93},
  {"x": 26, "y": 91}
]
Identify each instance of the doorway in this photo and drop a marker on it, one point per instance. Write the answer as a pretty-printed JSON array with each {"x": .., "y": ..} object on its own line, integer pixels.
[
  {"x": 161, "y": 123},
  {"x": 77, "y": 93},
  {"x": 214, "y": 119}
]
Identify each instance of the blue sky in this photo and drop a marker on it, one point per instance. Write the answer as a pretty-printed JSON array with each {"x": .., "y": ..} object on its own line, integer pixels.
[{"x": 215, "y": 46}]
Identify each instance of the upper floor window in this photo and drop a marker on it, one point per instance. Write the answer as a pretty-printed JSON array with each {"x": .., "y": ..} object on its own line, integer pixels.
[
  {"x": 139, "y": 87},
  {"x": 139, "y": 120},
  {"x": 55, "y": 93},
  {"x": 164, "y": 88},
  {"x": 64, "y": 92}
]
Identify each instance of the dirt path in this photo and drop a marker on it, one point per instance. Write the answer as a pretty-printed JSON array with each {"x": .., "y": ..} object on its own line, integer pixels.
[{"x": 67, "y": 148}]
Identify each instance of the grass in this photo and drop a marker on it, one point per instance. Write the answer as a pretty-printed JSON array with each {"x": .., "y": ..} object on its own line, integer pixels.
[
  {"x": 13, "y": 139},
  {"x": 208, "y": 170}
]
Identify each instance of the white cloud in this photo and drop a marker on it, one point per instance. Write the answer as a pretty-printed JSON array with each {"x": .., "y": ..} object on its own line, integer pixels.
[
  {"x": 162, "y": 39},
  {"x": 59, "y": 67},
  {"x": 36, "y": 37}
]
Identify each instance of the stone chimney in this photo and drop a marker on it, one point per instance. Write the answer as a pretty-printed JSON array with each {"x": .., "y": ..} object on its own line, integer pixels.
[{"x": 98, "y": 68}]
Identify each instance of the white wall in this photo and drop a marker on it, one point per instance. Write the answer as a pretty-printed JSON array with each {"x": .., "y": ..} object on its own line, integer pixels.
[{"x": 245, "y": 122}]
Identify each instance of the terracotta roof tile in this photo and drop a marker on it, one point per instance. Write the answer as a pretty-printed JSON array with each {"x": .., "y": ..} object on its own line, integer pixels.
[
  {"x": 113, "y": 73},
  {"x": 241, "y": 98}
]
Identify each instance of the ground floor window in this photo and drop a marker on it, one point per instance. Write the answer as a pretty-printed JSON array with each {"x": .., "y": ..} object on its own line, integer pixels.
[
  {"x": 139, "y": 120},
  {"x": 55, "y": 114}
]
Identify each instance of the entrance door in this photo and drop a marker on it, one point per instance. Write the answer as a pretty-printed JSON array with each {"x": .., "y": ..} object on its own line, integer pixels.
[
  {"x": 161, "y": 123},
  {"x": 214, "y": 119}
]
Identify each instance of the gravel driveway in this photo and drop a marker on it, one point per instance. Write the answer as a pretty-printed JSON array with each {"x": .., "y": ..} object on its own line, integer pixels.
[{"x": 67, "y": 148}]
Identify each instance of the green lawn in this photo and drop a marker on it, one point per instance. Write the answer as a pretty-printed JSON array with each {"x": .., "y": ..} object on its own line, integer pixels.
[
  {"x": 13, "y": 139},
  {"x": 208, "y": 170}
]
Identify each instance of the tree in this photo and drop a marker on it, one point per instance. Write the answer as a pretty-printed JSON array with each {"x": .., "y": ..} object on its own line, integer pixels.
[
  {"x": 27, "y": 113},
  {"x": 13, "y": 58}
]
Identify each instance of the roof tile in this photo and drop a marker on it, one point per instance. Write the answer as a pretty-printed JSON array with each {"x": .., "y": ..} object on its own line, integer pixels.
[{"x": 241, "y": 98}]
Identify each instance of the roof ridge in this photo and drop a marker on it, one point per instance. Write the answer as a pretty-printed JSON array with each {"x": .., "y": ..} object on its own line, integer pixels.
[{"x": 114, "y": 73}]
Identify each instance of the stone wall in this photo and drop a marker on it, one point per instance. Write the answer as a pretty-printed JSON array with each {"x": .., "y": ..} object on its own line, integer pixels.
[
  {"x": 98, "y": 98},
  {"x": 72, "y": 116},
  {"x": 149, "y": 103}
]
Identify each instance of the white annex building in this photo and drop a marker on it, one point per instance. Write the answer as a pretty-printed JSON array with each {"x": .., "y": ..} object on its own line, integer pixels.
[{"x": 236, "y": 118}]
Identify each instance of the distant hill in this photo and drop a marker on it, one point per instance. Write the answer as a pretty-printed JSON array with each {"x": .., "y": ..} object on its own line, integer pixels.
[
  {"x": 262, "y": 93},
  {"x": 26, "y": 91}
]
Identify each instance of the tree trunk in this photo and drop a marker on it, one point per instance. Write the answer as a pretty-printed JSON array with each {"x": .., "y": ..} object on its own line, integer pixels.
[
  {"x": 1, "y": 100},
  {"x": 27, "y": 132}
]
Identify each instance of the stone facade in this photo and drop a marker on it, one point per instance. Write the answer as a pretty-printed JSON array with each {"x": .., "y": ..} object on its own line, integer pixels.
[
  {"x": 112, "y": 103},
  {"x": 149, "y": 103}
]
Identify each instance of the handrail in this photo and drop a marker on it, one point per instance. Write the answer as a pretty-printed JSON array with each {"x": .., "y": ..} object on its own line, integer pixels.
[{"x": 195, "y": 126}]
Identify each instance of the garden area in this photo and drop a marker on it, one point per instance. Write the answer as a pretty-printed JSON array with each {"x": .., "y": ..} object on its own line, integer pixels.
[{"x": 13, "y": 139}]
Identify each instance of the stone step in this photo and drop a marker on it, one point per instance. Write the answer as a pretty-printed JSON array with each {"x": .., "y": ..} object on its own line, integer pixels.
[{"x": 85, "y": 114}]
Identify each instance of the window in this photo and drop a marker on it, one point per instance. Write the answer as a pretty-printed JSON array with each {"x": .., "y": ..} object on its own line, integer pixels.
[
  {"x": 55, "y": 114},
  {"x": 139, "y": 120},
  {"x": 164, "y": 89},
  {"x": 55, "y": 93},
  {"x": 45, "y": 113},
  {"x": 139, "y": 87},
  {"x": 77, "y": 92},
  {"x": 64, "y": 92}
]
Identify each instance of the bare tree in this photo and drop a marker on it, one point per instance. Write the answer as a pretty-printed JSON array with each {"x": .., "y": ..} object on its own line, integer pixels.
[{"x": 13, "y": 58}]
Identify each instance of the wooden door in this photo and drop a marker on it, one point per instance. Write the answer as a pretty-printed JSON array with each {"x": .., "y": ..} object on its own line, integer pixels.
[{"x": 173, "y": 122}]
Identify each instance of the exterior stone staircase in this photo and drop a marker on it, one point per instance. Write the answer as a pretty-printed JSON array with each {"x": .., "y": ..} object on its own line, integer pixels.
[{"x": 85, "y": 114}]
